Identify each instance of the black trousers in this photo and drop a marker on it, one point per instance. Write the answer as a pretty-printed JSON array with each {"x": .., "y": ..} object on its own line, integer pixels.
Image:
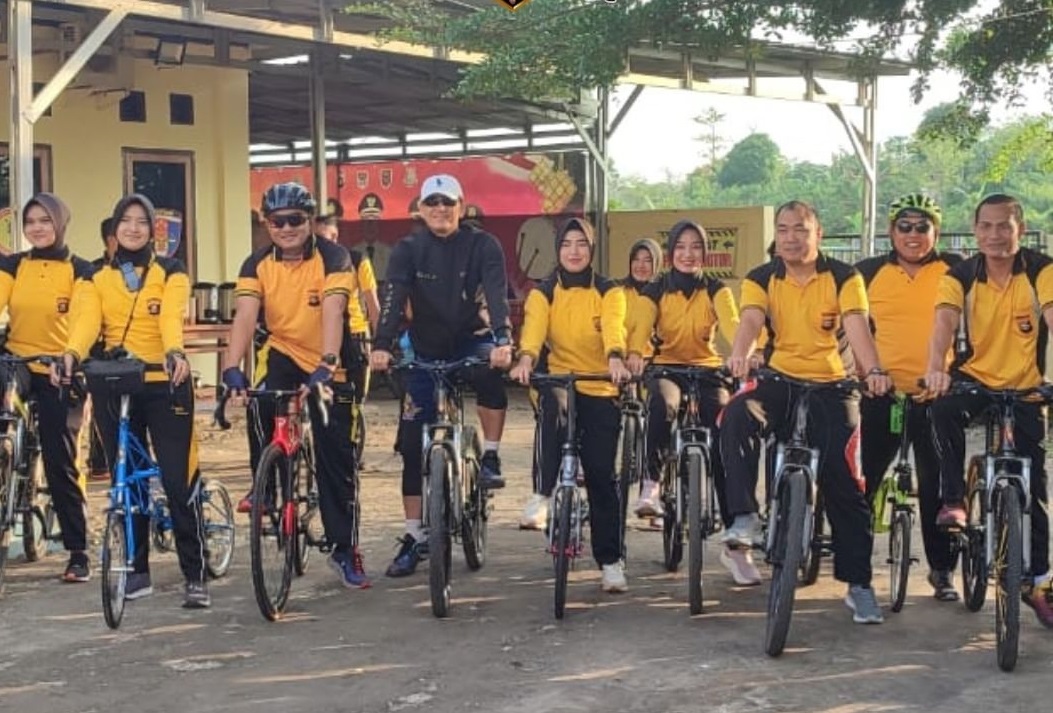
[
  {"x": 833, "y": 428},
  {"x": 59, "y": 422},
  {"x": 165, "y": 421},
  {"x": 598, "y": 425},
  {"x": 545, "y": 465},
  {"x": 333, "y": 450},
  {"x": 881, "y": 448},
  {"x": 356, "y": 361},
  {"x": 663, "y": 404},
  {"x": 950, "y": 415}
]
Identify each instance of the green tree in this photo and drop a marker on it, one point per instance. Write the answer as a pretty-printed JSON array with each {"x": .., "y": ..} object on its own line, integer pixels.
[
  {"x": 711, "y": 139},
  {"x": 753, "y": 161}
]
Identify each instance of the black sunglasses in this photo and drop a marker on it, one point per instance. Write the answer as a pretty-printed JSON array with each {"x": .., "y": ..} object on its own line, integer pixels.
[
  {"x": 433, "y": 201},
  {"x": 293, "y": 221},
  {"x": 920, "y": 228}
]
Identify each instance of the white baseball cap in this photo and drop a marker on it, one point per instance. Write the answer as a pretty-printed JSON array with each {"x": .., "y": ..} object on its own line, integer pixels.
[{"x": 442, "y": 185}]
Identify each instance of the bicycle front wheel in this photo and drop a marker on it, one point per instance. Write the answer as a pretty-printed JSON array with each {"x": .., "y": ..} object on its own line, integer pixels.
[
  {"x": 217, "y": 521},
  {"x": 273, "y": 532},
  {"x": 791, "y": 508},
  {"x": 630, "y": 464},
  {"x": 439, "y": 539},
  {"x": 813, "y": 553},
  {"x": 562, "y": 542},
  {"x": 899, "y": 558},
  {"x": 696, "y": 476},
  {"x": 1009, "y": 572},
  {"x": 114, "y": 566},
  {"x": 305, "y": 494}
]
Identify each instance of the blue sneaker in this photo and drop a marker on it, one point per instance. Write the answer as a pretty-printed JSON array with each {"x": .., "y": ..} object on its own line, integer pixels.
[
  {"x": 350, "y": 568},
  {"x": 490, "y": 471},
  {"x": 407, "y": 559}
]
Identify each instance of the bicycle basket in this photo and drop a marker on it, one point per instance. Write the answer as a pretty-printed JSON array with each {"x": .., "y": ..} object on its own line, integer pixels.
[
  {"x": 16, "y": 373},
  {"x": 117, "y": 376}
]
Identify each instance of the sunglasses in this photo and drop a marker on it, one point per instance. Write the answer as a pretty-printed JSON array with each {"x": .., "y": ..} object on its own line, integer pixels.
[
  {"x": 293, "y": 221},
  {"x": 907, "y": 228},
  {"x": 434, "y": 201}
]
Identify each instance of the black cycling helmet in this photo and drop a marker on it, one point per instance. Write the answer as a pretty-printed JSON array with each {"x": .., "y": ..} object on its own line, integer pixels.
[{"x": 288, "y": 196}]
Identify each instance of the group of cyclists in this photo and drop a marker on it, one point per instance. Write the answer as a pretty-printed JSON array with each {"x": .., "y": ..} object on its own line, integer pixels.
[{"x": 906, "y": 322}]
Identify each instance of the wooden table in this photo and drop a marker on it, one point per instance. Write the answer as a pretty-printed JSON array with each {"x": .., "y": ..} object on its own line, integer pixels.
[{"x": 207, "y": 338}]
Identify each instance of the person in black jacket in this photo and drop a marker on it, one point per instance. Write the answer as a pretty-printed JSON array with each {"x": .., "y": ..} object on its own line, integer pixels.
[{"x": 453, "y": 277}]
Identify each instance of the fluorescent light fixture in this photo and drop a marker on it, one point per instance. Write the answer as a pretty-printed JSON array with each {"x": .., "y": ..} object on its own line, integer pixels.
[{"x": 170, "y": 52}]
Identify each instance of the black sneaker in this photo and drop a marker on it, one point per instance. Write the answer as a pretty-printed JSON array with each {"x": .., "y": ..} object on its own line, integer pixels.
[
  {"x": 407, "y": 559},
  {"x": 942, "y": 586},
  {"x": 490, "y": 471},
  {"x": 78, "y": 569},
  {"x": 138, "y": 586},
  {"x": 196, "y": 596}
]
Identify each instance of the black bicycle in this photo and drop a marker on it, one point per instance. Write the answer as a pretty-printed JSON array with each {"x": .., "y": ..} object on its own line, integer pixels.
[
  {"x": 996, "y": 541},
  {"x": 633, "y": 452},
  {"x": 689, "y": 492},
  {"x": 456, "y": 505},
  {"x": 791, "y": 504}
]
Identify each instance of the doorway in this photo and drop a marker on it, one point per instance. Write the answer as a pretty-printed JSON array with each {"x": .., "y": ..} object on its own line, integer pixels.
[{"x": 167, "y": 179}]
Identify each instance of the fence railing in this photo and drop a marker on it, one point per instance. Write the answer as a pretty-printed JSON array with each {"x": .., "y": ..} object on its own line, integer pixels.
[{"x": 849, "y": 248}]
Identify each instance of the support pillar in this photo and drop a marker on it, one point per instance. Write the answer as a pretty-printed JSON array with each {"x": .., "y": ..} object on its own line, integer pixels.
[
  {"x": 602, "y": 188},
  {"x": 318, "y": 157},
  {"x": 868, "y": 87},
  {"x": 20, "y": 148}
]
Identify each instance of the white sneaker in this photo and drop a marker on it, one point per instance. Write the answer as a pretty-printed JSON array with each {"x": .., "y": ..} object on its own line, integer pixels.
[
  {"x": 614, "y": 578},
  {"x": 746, "y": 531},
  {"x": 535, "y": 514},
  {"x": 740, "y": 563},
  {"x": 650, "y": 501}
]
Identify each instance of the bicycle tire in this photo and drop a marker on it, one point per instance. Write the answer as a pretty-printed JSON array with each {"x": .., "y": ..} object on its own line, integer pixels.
[
  {"x": 474, "y": 523},
  {"x": 812, "y": 559},
  {"x": 899, "y": 558},
  {"x": 792, "y": 501},
  {"x": 217, "y": 521},
  {"x": 305, "y": 495},
  {"x": 360, "y": 434},
  {"x": 672, "y": 522},
  {"x": 7, "y": 503},
  {"x": 1008, "y": 569},
  {"x": 273, "y": 516},
  {"x": 439, "y": 537},
  {"x": 974, "y": 551},
  {"x": 34, "y": 527},
  {"x": 114, "y": 568},
  {"x": 162, "y": 531},
  {"x": 626, "y": 472},
  {"x": 562, "y": 543},
  {"x": 696, "y": 466}
]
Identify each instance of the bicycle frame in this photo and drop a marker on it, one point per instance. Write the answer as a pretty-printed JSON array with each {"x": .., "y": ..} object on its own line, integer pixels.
[
  {"x": 447, "y": 432},
  {"x": 131, "y": 486}
]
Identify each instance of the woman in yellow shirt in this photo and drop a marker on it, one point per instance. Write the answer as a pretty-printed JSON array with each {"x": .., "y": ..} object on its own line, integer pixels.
[
  {"x": 39, "y": 288},
  {"x": 580, "y": 317}
]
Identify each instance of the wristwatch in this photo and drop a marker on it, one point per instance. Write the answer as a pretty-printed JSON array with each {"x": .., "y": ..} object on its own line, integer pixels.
[{"x": 330, "y": 360}]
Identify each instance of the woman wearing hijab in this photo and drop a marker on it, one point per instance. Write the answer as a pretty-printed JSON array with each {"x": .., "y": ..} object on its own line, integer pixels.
[
  {"x": 40, "y": 288},
  {"x": 137, "y": 303},
  {"x": 684, "y": 310},
  {"x": 580, "y": 317}
]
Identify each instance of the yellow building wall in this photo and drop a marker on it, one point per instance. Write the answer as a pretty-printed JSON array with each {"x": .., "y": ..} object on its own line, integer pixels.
[{"x": 87, "y": 138}]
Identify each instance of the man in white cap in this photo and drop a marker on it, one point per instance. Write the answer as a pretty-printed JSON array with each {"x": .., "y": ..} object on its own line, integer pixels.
[{"x": 453, "y": 277}]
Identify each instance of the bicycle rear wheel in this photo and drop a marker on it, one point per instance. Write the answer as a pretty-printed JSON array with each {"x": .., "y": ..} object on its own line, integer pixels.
[
  {"x": 813, "y": 554},
  {"x": 439, "y": 537},
  {"x": 562, "y": 542},
  {"x": 899, "y": 558},
  {"x": 217, "y": 521},
  {"x": 7, "y": 506},
  {"x": 791, "y": 505},
  {"x": 114, "y": 566},
  {"x": 696, "y": 476},
  {"x": 476, "y": 515},
  {"x": 974, "y": 553},
  {"x": 1008, "y": 568},
  {"x": 309, "y": 530},
  {"x": 273, "y": 532},
  {"x": 34, "y": 526}
]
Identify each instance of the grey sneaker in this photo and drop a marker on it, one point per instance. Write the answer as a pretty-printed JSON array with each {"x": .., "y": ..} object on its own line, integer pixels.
[
  {"x": 746, "y": 531},
  {"x": 196, "y": 596},
  {"x": 864, "y": 606},
  {"x": 138, "y": 586}
]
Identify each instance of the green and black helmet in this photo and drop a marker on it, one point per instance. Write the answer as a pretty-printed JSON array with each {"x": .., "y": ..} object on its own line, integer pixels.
[{"x": 917, "y": 203}]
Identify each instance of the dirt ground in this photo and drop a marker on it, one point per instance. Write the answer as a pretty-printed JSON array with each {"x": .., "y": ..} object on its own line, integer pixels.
[{"x": 381, "y": 650}]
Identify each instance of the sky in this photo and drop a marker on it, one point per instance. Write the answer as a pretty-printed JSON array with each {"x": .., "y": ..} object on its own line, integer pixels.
[{"x": 656, "y": 137}]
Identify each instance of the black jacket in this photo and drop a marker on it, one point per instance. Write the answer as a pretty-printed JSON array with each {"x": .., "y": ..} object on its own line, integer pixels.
[{"x": 457, "y": 288}]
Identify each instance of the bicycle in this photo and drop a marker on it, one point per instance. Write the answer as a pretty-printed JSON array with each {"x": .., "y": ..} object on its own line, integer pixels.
[
  {"x": 136, "y": 491},
  {"x": 996, "y": 542},
  {"x": 570, "y": 506},
  {"x": 689, "y": 492},
  {"x": 456, "y": 506},
  {"x": 792, "y": 490},
  {"x": 633, "y": 452},
  {"x": 894, "y": 491},
  {"x": 23, "y": 490}
]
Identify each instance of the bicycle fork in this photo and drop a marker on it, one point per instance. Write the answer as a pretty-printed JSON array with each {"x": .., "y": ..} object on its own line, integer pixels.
[{"x": 780, "y": 468}]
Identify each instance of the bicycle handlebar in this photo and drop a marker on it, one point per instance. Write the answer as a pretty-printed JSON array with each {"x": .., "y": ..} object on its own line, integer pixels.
[
  {"x": 570, "y": 379},
  {"x": 219, "y": 414},
  {"x": 843, "y": 385},
  {"x": 440, "y": 368},
  {"x": 709, "y": 375}
]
